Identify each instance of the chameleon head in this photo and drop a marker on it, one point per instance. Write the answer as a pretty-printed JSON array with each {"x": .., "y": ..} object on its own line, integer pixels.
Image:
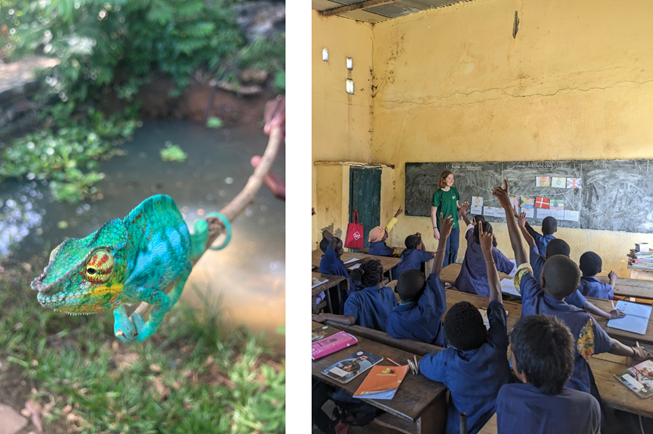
[{"x": 82, "y": 277}]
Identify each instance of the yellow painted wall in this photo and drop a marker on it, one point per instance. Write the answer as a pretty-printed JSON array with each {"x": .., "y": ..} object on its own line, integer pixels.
[{"x": 453, "y": 85}]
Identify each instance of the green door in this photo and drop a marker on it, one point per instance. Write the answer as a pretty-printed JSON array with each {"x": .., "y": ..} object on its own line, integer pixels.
[{"x": 365, "y": 197}]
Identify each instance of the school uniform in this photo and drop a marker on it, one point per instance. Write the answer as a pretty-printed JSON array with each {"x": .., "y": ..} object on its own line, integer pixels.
[
  {"x": 421, "y": 320},
  {"x": 379, "y": 248},
  {"x": 589, "y": 337},
  {"x": 332, "y": 264},
  {"x": 521, "y": 408},
  {"x": 473, "y": 274},
  {"x": 541, "y": 241},
  {"x": 411, "y": 259},
  {"x": 475, "y": 376},
  {"x": 537, "y": 263},
  {"x": 590, "y": 286},
  {"x": 370, "y": 307}
]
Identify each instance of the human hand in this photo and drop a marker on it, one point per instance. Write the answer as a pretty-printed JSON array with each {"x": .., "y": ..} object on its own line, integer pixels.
[
  {"x": 463, "y": 208},
  {"x": 502, "y": 195},
  {"x": 319, "y": 318},
  {"x": 612, "y": 276},
  {"x": 399, "y": 212},
  {"x": 521, "y": 220},
  {"x": 436, "y": 233},
  {"x": 485, "y": 239},
  {"x": 616, "y": 313},
  {"x": 446, "y": 225},
  {"x": 328, "y": 235},
  {"x": 275, "y": 115},
  {"x": 641, "y": 354}
]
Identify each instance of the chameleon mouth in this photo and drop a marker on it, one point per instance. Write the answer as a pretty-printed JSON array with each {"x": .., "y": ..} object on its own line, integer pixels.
[{"x": 61, "y": 299}]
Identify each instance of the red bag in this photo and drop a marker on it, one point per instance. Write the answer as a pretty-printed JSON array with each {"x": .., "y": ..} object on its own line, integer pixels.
[{"x": 355, "y": 234}]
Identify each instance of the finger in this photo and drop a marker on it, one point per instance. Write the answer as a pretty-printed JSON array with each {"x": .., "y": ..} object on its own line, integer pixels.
[
  {"x": 480, "y": 229},
  {"x": 505, "y": 184}
]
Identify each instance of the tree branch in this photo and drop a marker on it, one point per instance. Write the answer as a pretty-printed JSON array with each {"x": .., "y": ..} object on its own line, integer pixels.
[{"x": 243, "y": 199}]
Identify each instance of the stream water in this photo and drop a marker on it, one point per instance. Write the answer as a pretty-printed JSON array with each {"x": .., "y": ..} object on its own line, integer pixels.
[{"x": 249, "y": 275}]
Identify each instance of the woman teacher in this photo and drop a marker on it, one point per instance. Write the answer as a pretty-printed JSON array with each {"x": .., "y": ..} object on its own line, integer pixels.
[{"x": 445, "y": 201}]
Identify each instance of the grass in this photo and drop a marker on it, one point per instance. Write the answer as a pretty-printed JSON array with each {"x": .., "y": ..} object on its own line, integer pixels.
[{"x": 195, "y": 375}]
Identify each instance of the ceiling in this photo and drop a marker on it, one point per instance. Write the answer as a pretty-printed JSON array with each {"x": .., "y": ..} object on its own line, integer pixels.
[{"x": 375, "y": 11}]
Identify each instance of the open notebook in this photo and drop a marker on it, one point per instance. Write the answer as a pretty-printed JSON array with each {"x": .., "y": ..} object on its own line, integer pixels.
[{"x": 636, "y": 319}]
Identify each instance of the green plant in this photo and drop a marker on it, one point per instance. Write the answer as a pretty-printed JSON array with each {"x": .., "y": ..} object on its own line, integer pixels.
[
  {"x": 214, "y": 122},
  {"x": 173, "y": 153}
]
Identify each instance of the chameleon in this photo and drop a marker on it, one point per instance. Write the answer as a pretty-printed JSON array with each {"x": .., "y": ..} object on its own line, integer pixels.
[{"x": 126, "y": 261}]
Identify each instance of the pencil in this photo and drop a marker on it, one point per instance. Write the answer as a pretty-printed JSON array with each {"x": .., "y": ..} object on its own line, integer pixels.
[{"x": 392, "y": 361}]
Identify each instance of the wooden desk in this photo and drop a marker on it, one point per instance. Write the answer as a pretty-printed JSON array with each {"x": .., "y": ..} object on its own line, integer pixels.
[
  {"x": 418, "y": 400},
  {"x": 387, "y": 262},
  {"x": 491, "y": 426},
  {"x": 336, "y": 283}
]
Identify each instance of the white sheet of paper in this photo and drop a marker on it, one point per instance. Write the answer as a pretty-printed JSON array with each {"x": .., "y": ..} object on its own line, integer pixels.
[
  {"x": 542, "y": 213},
  {"x": 355, "y": 266},
  {"x": 559, "y": 214},
  {"x": 572, "y": 216},
  {"x": 488, "y": 211},
  {"x": 508, "y": 286},
  {"x": 477, "y": 205},
  {"x": 351, "y": 260},
  {"x": 530, "y": 212},
  {"x": 636, "y": 319}
]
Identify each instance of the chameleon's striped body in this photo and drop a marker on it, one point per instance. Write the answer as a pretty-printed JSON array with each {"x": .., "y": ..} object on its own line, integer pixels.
[{"x": 125, "y": 261}]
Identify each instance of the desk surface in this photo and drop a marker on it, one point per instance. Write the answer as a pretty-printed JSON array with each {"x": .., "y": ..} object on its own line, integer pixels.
[
  {"x": 386, "y": 261},
  {"x": 330, "y": 283},
  {"x": 415, "y": 394}
]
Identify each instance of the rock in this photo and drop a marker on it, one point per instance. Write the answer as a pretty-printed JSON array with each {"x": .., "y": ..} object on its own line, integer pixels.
[
  {"x": 260, "y": 19},
  {"x": 252, "y": 75},
  {"x": 12, "y": 421}
]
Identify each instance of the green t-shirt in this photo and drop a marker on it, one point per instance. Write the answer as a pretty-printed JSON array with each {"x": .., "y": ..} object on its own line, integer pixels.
[{"x": 446, "y": 202}]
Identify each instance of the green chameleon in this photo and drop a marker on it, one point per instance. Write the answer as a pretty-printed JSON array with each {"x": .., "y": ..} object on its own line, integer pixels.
[{"x": 126, "y": 261}]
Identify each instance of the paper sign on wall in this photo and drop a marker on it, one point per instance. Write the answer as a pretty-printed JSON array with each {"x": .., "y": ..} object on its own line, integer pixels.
[
  {"x": 543, "y": 213},
  {"x": 557, "y": 204},
  {"x": 530, "y": 212},
  {"x": 574, "y": 182},
  {"x": 572, "y": 216},
  {"x": 543, "y": 181},
  {"x": 488, "y": 211},
  {"x": 477, "y": 205},
  {"x": 527, "y": 202},
  {"x": 542, "y": 202}
]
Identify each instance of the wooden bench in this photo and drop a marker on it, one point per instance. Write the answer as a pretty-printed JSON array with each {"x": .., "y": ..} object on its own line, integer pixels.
[
  {"x": 419, "y": 402},
  {"x": 387, "y": 262},
  {"x": 333, "y": 284}
]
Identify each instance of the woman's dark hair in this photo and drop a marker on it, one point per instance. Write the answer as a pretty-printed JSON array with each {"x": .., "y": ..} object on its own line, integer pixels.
[
  {"x": 544, "y": 350},
  {"x": 370, "y": 273},
  {"x": 443, "y": 177},
  {"x": 487, "y": 228}
]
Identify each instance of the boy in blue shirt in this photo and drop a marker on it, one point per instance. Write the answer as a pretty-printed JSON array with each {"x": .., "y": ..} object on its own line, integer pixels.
[
  {"x": 543, "y": 361},
  {"x": 423, "y": 303},
  {"x": 331, "y": 262},
  {"x": 413, "y": 256},
  {"x": 475, "y": 365},
  {"x": 378, "y": 235},
  {"x": 560, "y": 277},
  {"x": 590, "y": 264},
  {"x": 549, "y": 227}
]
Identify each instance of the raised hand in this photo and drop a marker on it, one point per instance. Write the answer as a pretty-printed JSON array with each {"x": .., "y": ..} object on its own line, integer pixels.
[
  {"x": 502, "y": 195},
  {"x": 464, "y": 208},
  {"x": 445, "y": 226},
  {"x": 399, "y": 212},
  {"x": 612, "y": 276},
  {"x": 521, "y": 220},
  {"x": 485, "y": 239}
]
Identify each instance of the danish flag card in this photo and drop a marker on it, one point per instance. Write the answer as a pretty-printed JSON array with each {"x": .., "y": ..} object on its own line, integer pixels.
[{"x": 542, "y": 202}]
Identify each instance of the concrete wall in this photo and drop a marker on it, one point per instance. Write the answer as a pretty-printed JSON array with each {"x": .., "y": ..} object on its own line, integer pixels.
[{"x": 452, "y": 84}]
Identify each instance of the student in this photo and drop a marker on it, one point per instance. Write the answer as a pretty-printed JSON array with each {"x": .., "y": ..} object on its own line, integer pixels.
[
  {"x": 473, "y": 275},
  {"x": 590, "y": 265},
  {"x": 475, "y": 365},
  {"x": 543, "y": 361},
  {"x": 549, "y": 227},
  {"x": 560, "y": 277},
  {"x": 378, "y": 235},
  {"x": 560, "y": 247},
  {"x": 331, "y": 262},
  {"x": 419, "y": 313},
  {"x": 368, "y": 307},
  {"x": 413, "y": 256}
]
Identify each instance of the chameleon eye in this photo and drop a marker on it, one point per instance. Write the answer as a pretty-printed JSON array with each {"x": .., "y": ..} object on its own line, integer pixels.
[{"x": 99, "y": 267}]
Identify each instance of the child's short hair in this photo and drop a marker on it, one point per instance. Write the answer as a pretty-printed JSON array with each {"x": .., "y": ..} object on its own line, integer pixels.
[
  {"x": 544, "y": 350},
  {"x": 463, "y": 326},
  {"x": 549, "y": 225},
  {"x": 324, "y": 244},
  {"x": 442, "y": 181},
  {"x": 368, "y": 274},
  {"x": 590, "y": 263},
  {"x": 412, "y": 241},
  {"x": 557, "y": 247},
  {"x": 410, "y": 284},
  {"x": 479, "y": 218},
  {"x": 561, "y": 276},
  {"x": 487, "y": 228}
]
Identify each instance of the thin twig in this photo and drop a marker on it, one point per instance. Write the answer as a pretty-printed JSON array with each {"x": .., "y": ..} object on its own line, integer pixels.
[{"x": 244, "y": 198}]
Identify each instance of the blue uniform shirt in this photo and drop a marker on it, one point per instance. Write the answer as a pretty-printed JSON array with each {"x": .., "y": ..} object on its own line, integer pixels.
[
  {"x": 332, "y": 264},
  {"x": 474, "y": 377},
  {"x": 589, "y": 337},
  {"x": 411, "y": 259},
  {"x": 379, "y": 248},
  {"x": 540, "y": 240},
  {"x": 593, "y": 287},
  {"x": 421, "y": 321},
  {"x": 537, "y": 262},
  {"x": 521, "y": 408},
  {"x": 473, "y": 274},
  {"x": 371, "y": 306}
]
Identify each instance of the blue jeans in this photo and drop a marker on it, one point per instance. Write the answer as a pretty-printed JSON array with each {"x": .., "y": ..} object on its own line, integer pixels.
[{"x": 453, "y": 242}]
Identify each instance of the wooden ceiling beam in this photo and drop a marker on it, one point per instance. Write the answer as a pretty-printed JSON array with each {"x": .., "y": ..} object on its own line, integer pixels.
[{"x": 355, "y": 7}]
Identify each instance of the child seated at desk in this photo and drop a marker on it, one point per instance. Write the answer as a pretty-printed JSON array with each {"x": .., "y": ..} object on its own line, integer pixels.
[
  {"x": 549, "y": 227},
  {"x": 543, "y": 361},
  {"x": 559, "y": 279},
  {"x": 590, "y": 265},
  {"x": 473, "y": 277},
  {"x": 419, "y": 313},
  {"x": 379, "y": 234},
  {"x": 475, "y": 364},
  {"x": 560, "y": 247},
  {"x": 414, "y": 255},
  {"x": 368, "y": 307},
  {"x": 331, "y": 262}
]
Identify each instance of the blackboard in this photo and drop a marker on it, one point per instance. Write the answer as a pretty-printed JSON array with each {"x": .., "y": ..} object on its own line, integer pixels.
[{"x": 616, "y": 195}]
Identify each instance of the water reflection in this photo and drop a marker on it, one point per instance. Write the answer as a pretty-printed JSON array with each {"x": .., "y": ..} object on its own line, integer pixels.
[{"x": 249, "y": 274}]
